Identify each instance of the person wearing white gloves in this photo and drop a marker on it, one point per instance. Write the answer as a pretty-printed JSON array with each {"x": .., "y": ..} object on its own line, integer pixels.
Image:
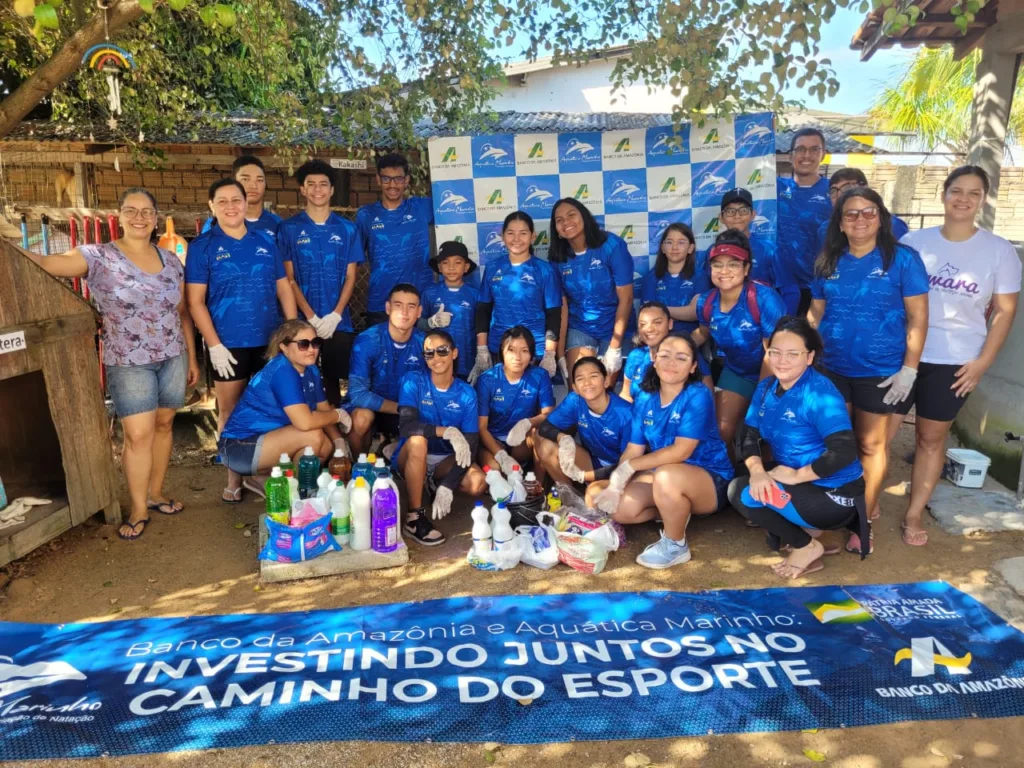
[
  {"x": 675, "y": 464},
  {"x": 869, "y": 301},
  {"x": 322, "y": 252},
  {"x": 451, "y": 303},
  {"x": 283, "y": 409},
  {"x": 234, "y": 281},
  {"x": 514, "y": 397},
  {"x": 437, "y": 415}
]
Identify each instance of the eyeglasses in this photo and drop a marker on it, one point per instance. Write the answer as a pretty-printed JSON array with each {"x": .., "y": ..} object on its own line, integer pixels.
[
  {"x": 392, "y": 179},
  {"x": 838, "y": 189},
  {"x": 305, "y": 344},
  {"x": 732, "y": 265},
  {"x": 732, "y": 213},
  {"x": 790, "y": 355},
  {"x": 870, "y": 213},
  {"x": 131, "y": 213},
  {"x": 442, "y": 351},
  {"x": 804, "y": 151}
]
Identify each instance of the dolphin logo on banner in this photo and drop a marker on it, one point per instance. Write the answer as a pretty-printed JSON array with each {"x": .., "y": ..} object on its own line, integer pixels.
[
  {"x": 14, "y": 678},
  {"x": 451, "y": 198},
  {"x": 575, "y": 145}
]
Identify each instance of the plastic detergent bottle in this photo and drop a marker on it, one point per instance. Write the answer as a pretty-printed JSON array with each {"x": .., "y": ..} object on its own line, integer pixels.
[
  {"x": 309, "y": 468},
  {"x": 323, "y": 486},
  {"x": 482, "y": 541},
  {"x": 173, "y": 242},
  {"x": 533, "y": 487},
  {"x": 359, "y": 503},
  {"x": 285, "y": 463},
  {"x": 279, "y": 509},
  {"x": 341, "y": 521},
  {"x": 384, "y": 516},
  {"x": 515, "y": 479},
  {"x": 361, "y": 465},
  {"x": 498, "y": 485},
  {"x": 501, "y": 528},
  {"x": 554, "y": 501},
  {"x": 293, "y": 486},
  {"x": 340, "y": 466}
]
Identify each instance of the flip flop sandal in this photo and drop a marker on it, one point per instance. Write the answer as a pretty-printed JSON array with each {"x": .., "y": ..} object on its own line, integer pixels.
[
  {"x": 249, "y": 485},
  {"x": 853, "y": 544},
  {"x": 236, "y": 496},
  {"x": 421, "y": 528},
  {"x": 134, "y": 526},
  {"x": 812, "y": 567},
  {"x": 835, "y": 549},
  {"x": 913, "y": 538},
  {"x": 165, "y": 507}
]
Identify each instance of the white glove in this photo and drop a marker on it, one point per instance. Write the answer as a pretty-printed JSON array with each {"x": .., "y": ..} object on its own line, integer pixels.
[
  {"x": 548, "y": 363},
  {"x": 328, "y": 325},
  {"x": 899, "y": 385},
  {"x": 440, "y": 319},
  {"x": 341, "y": 445},
  {"x": 463, "y": 457},
  {"x": 621, "y": 476},
  {"x": 483, "y": 362},
  {"x": 567, "y": 459},
  {"x": 344, "y": 420},
  {"x": 563, "y": 368},
  {"x": 222, "y": 359},
  {"x": 315, "y": 322},
  {"x": 608, "y": 500},
  {"x": 505, "y": 462},
  {"x": 612, "y": 359},
  {"x": 442, "y": 502},
  {"x": 518, "y": 433}
]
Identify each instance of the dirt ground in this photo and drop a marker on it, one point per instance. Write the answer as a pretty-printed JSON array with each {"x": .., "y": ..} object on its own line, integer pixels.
[{"x": 167, "y": 574}]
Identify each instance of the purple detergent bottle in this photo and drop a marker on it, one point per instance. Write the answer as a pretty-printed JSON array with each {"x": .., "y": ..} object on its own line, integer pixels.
[{"x": 384, "y": 516}]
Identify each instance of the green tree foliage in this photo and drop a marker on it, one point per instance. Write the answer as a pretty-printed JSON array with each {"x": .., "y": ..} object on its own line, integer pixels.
[{"x": 932, "y": 99}]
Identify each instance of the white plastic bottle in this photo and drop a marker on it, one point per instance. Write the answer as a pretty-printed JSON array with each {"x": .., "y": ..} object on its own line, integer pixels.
[
  {"x": 515, "y": 479},
  {"x": 482, "y": 542},
  {"x": 501, "y": 528},
  {"x": 359, "y": 503},
  {"x": 341, "y": 520},
  {"x": 323, "y": 485},
  {"x": 293, "y": 488},
  {"x": 498, "y": 485}
]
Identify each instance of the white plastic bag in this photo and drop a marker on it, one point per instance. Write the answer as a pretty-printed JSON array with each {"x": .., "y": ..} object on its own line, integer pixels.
[
  {"x": 502, "y": 560},
  {"x": 537, "y": 543},
  {"x": 581, "y": 552}
]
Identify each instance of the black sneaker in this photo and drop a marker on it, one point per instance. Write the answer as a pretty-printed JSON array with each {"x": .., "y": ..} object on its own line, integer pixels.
[{"x": 418, "y": 526}]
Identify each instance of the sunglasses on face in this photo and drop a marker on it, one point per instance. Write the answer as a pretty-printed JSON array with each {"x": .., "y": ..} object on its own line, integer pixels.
[
  {"x": 870, "y": 213},
  {"x": 305, "y": 344},
  {"x": 443, "y": 351}
]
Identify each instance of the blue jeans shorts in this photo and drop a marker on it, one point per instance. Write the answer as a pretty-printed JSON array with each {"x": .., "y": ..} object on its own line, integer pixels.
[
  {"x": 241, "y": 455},
  {"x": 576, "y": 338},
  {"x": 139, "y": 389}
]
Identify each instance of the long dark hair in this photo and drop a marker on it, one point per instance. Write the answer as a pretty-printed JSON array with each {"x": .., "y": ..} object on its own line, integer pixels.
[
  {"x": 560, "y": 251},
  {"x": 800, "y": 327},
  {"x": 836, "y": 241},
  {"x": 524, "y": 217},
  {"x": 513, "y": 333},
  {"x": 652, "y": 382},
  {"x": 661, "y": 262},
  {"x": 966, "y": 170}
]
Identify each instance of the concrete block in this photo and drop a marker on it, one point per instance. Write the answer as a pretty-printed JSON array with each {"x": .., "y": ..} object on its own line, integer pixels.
[
  {"x": 963, "y": 511},
  {"x": 1012, "y": 571}
]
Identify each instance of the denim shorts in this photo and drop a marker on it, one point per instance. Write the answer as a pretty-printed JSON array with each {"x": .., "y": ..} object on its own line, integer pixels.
[
  {"x": 241, "y": 455},
  {"x": 139, "y": 389},
  {"x": 576, "y": 338}
]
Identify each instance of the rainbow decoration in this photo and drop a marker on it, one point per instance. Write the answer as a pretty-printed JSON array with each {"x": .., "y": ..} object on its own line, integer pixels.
[{"x": 106, "y": 57}]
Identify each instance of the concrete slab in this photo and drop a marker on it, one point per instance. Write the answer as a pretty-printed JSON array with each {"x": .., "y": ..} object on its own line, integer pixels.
[
  {"x": 963, "y": 511},
  {"x": 332, "y": 564},
  {"x": 1012, "y": 571}
]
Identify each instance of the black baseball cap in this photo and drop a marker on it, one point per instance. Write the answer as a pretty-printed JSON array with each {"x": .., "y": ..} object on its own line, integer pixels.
[
  {"x": 452, "y": 248},
  {"x": 738, "y": 195}
]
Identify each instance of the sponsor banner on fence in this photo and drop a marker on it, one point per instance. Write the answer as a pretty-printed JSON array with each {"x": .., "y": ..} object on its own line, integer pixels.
[
  {"x": 634, "y": 181},
  {"x": 514, "y": 669}
]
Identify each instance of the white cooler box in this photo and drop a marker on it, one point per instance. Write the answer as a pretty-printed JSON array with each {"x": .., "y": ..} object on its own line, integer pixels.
[{"x": 966, "y": 468}]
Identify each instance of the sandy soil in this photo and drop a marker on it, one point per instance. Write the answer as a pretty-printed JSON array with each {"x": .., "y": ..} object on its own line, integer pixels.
[{"x": 167, "y": 574}]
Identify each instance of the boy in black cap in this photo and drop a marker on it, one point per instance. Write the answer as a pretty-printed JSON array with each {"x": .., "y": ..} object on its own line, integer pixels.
[{"x": 451, "y": 304}]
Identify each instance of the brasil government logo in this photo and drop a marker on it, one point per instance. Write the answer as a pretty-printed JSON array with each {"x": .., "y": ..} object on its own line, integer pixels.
[{"x": 839, "y": 612}]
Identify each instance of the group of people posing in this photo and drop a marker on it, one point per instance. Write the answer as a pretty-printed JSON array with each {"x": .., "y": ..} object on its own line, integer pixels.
[{"x": 767, "y": 377}]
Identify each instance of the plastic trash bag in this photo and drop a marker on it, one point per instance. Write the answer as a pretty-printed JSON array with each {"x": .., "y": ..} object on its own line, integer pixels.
[
  {"x": 537, "y": 543},
  {"x": 502, "y": 560},
  {"x": 581, "y": 552}
]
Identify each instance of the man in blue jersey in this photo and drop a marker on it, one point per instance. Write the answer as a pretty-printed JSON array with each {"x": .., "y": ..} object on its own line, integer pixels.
[
  {"x": 249, "y": 172},
  {"x": 381, "y": 356},
  {"x": 395, "y": 234},
  {"x": 803, "y": 203},
  {"x": 838, "y": 183},
  {"x": 321, "y": 251}
]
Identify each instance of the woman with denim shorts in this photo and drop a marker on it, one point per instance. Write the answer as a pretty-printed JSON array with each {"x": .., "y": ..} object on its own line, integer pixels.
[{"x": 148, "y": 346}]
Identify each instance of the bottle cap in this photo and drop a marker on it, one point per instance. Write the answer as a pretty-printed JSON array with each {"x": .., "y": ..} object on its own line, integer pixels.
[
  {"x": 336, "y": 477},
  {"x": 287, "y": 472},
  {"x": 372, "y": 458},
  {"x": 308, "y": 451},
  {"x": 530, "y": 477},
  {"x": 362, "y": 458},
  {"x": 486, "y": 469},
  {"x": 361, "y": 482},
  {"x": 276, "y": 472},
  {"x": 501, "y": 505},
  {"x": 379, "y": 463},
  {"x": 478, "y": 504},
  {"x": 284, "y": 458},
  {"x": 338, "y": 453},
  {"x": 515, "y": 468}
]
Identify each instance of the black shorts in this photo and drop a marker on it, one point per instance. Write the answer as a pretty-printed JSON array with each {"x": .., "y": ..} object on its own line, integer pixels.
[
  {"x": 334, "y": 358},
  {"x": 933, "y": 395},
  {"x": 386, "y": 424},
  {"x": 805, "y": 302},
  {"x": 862, "y": 391},
  {"x": 250, "y": 361}
]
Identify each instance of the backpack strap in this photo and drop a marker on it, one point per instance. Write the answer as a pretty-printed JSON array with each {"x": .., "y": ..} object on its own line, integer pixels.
[
  {"x": 709, "y": 306},
  {"x": 755, "y": 310}
]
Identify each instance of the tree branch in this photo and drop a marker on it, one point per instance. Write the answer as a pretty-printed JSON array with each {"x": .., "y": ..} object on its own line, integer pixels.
[{"x": 63, "y": 63}]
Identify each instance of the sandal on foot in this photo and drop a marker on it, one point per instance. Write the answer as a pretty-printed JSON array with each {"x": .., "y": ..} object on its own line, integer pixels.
[
  {"x": 853, "y": 544},
  {"x": 137, "y": 533},
  {"x": 835, "y": 549},
  {"x": 796, "y": 572},
  {"x": 913, "y": 538},
  {"x": 249, "y": 485},
  {"x": 421, "y": 529},
  {"x": 229, "y": 496},
  {"x": 169, "y": 507}
]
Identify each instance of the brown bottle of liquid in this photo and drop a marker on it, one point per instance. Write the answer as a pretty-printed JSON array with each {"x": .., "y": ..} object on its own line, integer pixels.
[{"x": 340, "y": 465}]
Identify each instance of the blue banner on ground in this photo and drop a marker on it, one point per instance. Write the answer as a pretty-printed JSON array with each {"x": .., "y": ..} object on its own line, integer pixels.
[{"x": 515, "y": 669}]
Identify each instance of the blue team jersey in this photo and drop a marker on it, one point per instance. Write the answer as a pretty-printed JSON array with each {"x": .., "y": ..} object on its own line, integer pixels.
[
  {"x": 378, "y": 364},
  {"x": 690, "y": 415},
  {"x": 672, "y": 291},
  {"x": 801, "y": 211},
  {"x": 865, "y": 322},
  {"x": 504, "y": 403},
  {"x": 241, "y": 284},
  {"x": 275, "y": 387},
  {"x": 397, "y": 244},
  {"x": 899, "y": 229},
  {"x": 738, "y": 339},
  {"x": 589, "y": 281},
  {"x": 635, "y": 367},
  {"x": 320, "y": 255},
  {"x": 604, "y": 435},
  {"x": 268, "y": 222},
  {"x": 520, "y": 293},
  {"x": 452, "y": 407},
  {"x": 461, "y": 302},
  {"x": 765, "y": 266},
  {"x": 796, "y": 422}
]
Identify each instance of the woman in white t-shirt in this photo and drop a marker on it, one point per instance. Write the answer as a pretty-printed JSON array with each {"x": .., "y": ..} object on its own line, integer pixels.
[{"x": 974, "y": 279}]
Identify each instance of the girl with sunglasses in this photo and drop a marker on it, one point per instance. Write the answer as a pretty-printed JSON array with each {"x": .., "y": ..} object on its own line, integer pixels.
[
  {"x": 284, "y": 408},
  {"x": 437, "y": 415},
  {"x": 870, "y": 304},
  {"x": 514, "y": 397}
]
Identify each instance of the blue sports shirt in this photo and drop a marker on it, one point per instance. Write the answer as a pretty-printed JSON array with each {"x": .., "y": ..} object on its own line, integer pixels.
[
  {"x": 268, "y": 222},
  {"x": 604, "y": 435},
  {"x": 452, "y": 407},
  {"x": 800, "y": 212},
  {"x": 738, "y": 339},
  {"x": 397, "y": 245},
  {"x": 275, "y": 387},
  {"x": 672, "y": 291},
  {"x": 899, "y": 229},
  {"x": 589, "y": 281},
  {"x": 378, "y": 364},
  {"x": 504, "y": 403},
  {"x": 461, "y": 302},
  {"x": 520, "y": 293}
]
